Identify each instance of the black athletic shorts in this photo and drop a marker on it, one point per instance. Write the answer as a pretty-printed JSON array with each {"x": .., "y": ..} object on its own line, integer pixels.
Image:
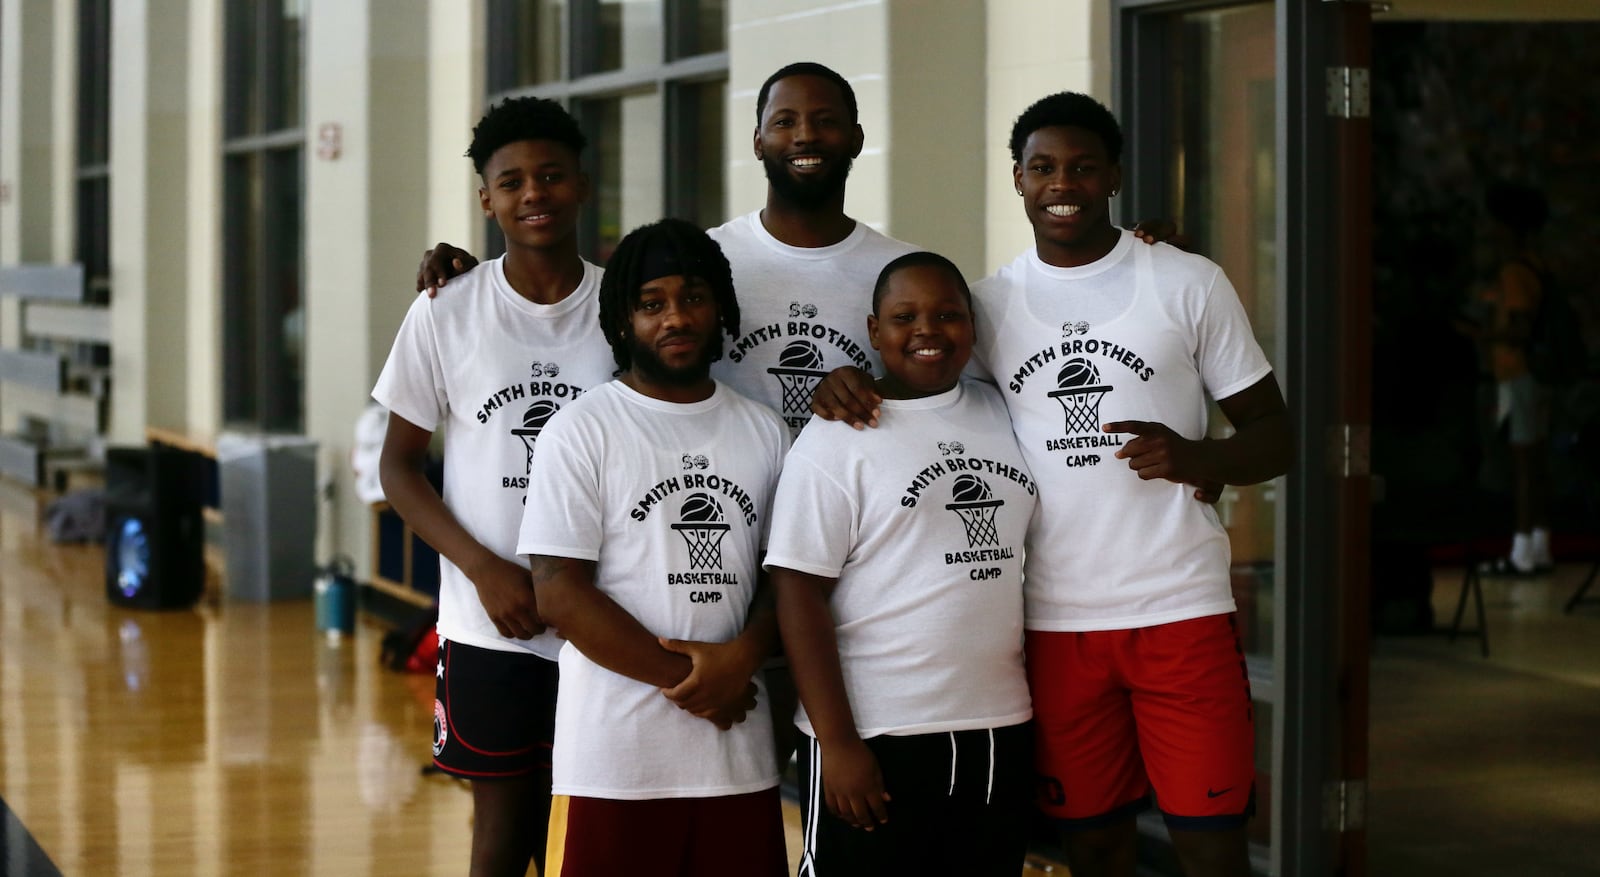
[
  {"x": 494, "y": 712},
  {"x": 960, "y": 803}
]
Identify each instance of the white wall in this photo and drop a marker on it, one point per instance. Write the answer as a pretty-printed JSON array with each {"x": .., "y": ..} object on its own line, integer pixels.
[
  {"x": 64, "y": 130},
  {"x": 935, "y": 157},
  {"x": 365, "y": 225},
  {"x": 1035, "y": 48},
  {"x": 149, "y": 218},
  {"x": 202, "y": 341},
  {"x": 455, "y": 103}
]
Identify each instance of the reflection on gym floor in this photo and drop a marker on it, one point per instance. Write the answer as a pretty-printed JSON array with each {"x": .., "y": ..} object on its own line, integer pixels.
[{"x": 236, "y": 739}]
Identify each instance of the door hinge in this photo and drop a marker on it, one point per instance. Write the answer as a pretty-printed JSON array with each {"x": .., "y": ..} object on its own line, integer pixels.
[
  {"x": 1350, "y": 450},
  {"x": 1344, "y": 805},
  {"x": 1349, "y": 92}
]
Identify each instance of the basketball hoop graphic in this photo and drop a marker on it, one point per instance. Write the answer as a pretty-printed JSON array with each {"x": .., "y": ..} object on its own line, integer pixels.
[
  {"x": 702, "y": 526},
  {"x": 533, "y": 421},
  {"x": 1080, "y": 394},
  {"x": 974, "y": 503},
  {"x": 798, "y": 369}
]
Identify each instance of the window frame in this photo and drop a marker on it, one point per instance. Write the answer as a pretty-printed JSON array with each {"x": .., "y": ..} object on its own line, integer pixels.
[
  {"x": 673, "y": 72},
  {"x": 263, "y": 252}
]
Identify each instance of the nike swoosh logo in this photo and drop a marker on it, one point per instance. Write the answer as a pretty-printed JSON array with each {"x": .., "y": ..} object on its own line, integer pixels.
[{"x": 1211, "y": 794}]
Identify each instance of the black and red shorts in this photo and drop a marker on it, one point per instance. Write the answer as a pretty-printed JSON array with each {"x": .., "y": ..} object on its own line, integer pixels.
[{"x": 494, "y": 712}]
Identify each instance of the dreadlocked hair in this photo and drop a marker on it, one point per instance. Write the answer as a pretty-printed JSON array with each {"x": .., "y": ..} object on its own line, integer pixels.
[
  {"x": 516, "y": 119},
  {"x": 619, "y": 288}
]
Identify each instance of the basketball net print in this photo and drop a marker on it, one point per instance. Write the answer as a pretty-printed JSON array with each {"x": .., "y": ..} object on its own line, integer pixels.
[
  {"x": 973, "y": 502},
  {"x": 797, "y": 372},
  {"x": 533, "y": 421},
  {"x": 702, "y": 525},
  {"x": 1079, "y": 391}
]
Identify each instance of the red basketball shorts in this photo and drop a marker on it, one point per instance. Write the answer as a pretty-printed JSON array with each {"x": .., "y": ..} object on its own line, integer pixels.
[
  {"x": 1118, "y": 712},
  {"x": 669, "y": 837}
]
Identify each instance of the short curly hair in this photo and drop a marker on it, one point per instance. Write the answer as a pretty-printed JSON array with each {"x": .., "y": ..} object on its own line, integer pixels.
[
  {"x": 1067, "y": 109},
  {"x": 917, "y": 260},
  {"x": 516, "y": 119},
  {"x": 808, "y": 68},
  {"x": 619, "y": 287}
]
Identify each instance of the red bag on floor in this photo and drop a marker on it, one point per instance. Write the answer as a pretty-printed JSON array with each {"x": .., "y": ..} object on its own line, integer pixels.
[
  {"x": 413, "y": 648},
  {"x": 425, "y": 657}
]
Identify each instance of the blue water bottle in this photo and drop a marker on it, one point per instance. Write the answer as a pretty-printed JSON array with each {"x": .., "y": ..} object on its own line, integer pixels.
[{"x": 335, "y": 591}]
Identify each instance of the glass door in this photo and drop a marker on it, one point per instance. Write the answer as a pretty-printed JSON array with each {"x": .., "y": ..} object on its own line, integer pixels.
[{"x": 1230, "y": 133}]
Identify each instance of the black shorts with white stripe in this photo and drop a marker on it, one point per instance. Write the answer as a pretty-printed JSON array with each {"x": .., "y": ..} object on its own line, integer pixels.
[{"x": 959, "y": 804}]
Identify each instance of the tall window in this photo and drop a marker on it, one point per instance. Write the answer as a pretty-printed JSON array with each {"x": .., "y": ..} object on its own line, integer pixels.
[
  {"x": 92, "y": 247},
  {"x": 647, "y": 80},
  {"x": 263, "y": 202}
]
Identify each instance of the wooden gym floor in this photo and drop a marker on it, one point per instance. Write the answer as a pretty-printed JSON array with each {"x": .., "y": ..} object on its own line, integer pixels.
[{"x": 236, "y": 740}]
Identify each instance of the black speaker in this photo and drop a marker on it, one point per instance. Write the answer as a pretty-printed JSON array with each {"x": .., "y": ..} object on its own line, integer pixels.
[{"x": 154, "y": 533}]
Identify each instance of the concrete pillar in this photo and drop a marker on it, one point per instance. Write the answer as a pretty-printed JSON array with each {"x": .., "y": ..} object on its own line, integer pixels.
[
  {"x": 1035, "y": 48},
  {"x": 203, "y": 219},
  {"x": 149, "y": 217},
  {"x": 366, "y": 221},
  {"x": 456, "y": 60},
  {"x": 936, "y": 161}
]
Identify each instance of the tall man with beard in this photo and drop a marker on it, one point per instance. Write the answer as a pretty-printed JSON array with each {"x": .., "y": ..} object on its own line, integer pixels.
[{"x": 804, "y": 269}]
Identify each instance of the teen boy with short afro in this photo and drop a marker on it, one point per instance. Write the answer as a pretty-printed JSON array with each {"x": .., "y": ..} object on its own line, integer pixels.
[{"x": 519, "y": 340}]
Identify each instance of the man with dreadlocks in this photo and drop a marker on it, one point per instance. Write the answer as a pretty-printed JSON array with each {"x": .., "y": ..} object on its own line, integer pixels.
[
  {"x": 646, "y": 514},
  {"x": 520, "y": 339}
]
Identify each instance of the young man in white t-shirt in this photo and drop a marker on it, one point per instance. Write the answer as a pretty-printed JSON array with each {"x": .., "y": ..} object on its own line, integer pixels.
[
  {"x": 897, "y": 556},
  {"x": 1106, "y": 351},
  {"x": 489, "y": 365},
  {"x": 646, "y": 514}
]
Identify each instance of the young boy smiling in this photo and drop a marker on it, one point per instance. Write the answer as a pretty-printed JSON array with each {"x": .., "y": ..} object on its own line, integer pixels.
[
  {"x": 519, "y": 340},
  {"x": 896, "y": 555}
]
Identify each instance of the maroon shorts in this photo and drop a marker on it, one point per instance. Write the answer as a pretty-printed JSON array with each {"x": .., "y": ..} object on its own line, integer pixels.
[
  {"x": 1119, "y": 711},
  {"x": 494, "y": 712},
  {"x": 731, "y": 834}
]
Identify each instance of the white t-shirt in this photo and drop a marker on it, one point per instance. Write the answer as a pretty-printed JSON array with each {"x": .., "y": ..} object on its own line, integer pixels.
[
  {"x": 802, "y": 311},
  {"x": 922, "y": 521},
  {"x": 1145, "y": 333},
  {"x": 671, "y": 501},
  {"x": 489, "y": 367}
]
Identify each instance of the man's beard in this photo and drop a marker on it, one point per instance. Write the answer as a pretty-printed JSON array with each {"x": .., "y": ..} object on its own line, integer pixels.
[
  {"x": 810, "y": 192},
  {"x": 648, "y": 364}
]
